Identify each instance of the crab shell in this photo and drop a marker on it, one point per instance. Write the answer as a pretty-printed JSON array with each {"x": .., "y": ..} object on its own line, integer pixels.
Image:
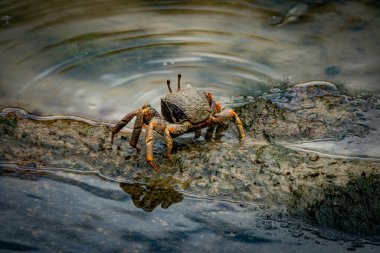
[{"x": 187, "y": 104}]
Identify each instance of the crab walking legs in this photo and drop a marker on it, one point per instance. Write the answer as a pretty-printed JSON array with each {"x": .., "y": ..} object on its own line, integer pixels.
[
  {"x": 185, "y": 110},
  {"x": 229, "y": 114},
  {"x": 179, "y": 129},
  {"x": 169, "y": 130}
]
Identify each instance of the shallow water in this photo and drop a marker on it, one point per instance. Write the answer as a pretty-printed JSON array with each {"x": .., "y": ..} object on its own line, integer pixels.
[
  {"x": 104, "y": 59},
  {"x": 46, "y": 211}
]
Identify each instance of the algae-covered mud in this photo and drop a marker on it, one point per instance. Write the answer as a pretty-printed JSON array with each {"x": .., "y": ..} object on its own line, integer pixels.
[{"x": 340, "y": 193}]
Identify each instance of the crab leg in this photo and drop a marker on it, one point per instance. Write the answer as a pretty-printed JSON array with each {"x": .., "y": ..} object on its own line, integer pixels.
[
  {"x": 149, "y": 145},
  {"x": 229, "y": 114},
  {"x": 175, "y": 129},
  {"x": 209, "y": 133},
  {"x": 197, "y": 133},
  {"x": 219, "y": 131},
  {"x": 137, "y": 130},
  {"x": 123, "y": 122},
  {"x": 169, "y": 142}
]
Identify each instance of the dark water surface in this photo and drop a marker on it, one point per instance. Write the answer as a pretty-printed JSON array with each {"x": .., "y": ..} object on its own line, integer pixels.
[
  {"x": 65, "y": 212},
  {"x": 102, "y": 59}
]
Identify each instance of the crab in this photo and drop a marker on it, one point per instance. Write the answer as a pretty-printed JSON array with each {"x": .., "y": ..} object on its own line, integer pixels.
[{"x": 185, "y": 110}]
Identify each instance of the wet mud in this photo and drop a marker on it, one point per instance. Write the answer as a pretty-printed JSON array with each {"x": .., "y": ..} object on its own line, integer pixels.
[
  {"x": 354, "y": 207},
  {"x": 337, "y": 193},
  {"x": 310, "y": 111}
]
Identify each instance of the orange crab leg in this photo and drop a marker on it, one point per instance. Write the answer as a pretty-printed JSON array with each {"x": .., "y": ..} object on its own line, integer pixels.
[
  {"x": 229, "y": 114},
  {"x": 137, "y": 130},
  {"x": 239, "y": 124},
  {"x": 169, "y": 141},
  {"x": 176, "y": 129},
  {"x": 149, "y": 146},
  {"x": 122, "y": 123}
]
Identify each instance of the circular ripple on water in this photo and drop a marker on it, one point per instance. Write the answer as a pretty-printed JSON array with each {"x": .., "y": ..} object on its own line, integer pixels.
[{"x": 81, "y": 60}]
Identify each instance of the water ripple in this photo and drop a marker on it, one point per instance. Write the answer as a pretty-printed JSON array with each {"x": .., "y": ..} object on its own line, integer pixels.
[
  {"x": 121, "y": 81},
  {"x": 86, "y": 59}
]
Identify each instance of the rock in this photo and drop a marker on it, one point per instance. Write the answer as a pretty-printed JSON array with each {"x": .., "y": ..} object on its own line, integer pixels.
[
  {"x": 305, "y": 112},
  {"x": 353, "y": 207}
]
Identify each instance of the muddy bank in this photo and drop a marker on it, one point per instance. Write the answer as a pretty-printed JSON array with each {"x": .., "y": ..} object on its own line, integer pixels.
[
  {"x": 311, "y": 111},
  {"x": 217, "y": 165},
  {"x": 353, "y": 207}
]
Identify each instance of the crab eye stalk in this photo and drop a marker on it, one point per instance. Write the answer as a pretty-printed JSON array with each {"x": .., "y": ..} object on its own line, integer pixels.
[
  {"x": 168, "y": 83},
  {"x": 179, "y": 81}
]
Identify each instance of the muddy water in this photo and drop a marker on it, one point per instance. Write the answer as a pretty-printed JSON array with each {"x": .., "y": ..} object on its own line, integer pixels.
[{"x": 100, "y": 60}]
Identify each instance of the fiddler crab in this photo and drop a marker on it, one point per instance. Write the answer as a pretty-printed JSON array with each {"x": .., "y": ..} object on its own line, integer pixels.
[{"x": 185, "y": 110}]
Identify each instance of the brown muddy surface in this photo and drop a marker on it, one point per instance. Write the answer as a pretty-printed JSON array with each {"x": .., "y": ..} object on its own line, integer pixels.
[{"x": 261, "y": 171}]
